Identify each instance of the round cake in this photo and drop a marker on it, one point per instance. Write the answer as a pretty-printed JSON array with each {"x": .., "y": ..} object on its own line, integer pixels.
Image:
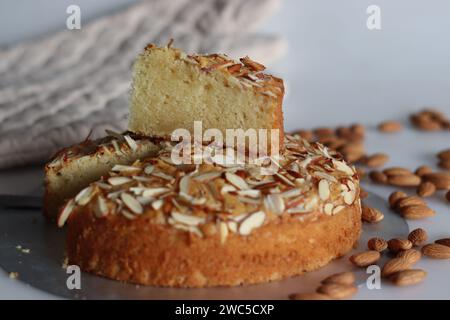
[{"x": 214, "y": 224}]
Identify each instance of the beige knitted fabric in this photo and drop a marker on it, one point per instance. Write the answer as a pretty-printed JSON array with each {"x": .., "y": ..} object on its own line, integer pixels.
[{"x": 54, "y": 91}]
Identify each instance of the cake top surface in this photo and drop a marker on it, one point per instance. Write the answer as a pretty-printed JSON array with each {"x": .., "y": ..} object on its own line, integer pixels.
[
  {"x": 310, "y": 180},
  {"x": 245, "y": 72}
]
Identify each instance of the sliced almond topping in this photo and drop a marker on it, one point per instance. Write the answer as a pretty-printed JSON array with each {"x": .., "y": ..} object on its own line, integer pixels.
[
  {"x": 115, "y": 181},
  {"x": 124, "y": 168},
  {"x": 253, "y": 221},
  {"x": 232, "y": 225},
  {"x": 187, "y": 219},
  {"x": 274, "y": 203},
  {"x": 157, "y": 204},
  {"x": 324, "y": 189},
  {"x": 349, "y": 197},
  {"x": 252, "y": 193},
  {"x": 328, "y": 209},
  {"x": 338, "y": 209},
  {"x": 184, "y": 185},
  {"x": 101, "y": 209},
  {"x": 223, "y": 230},
  {"x": 127, "y": 214},
  {"x": 154, "y": 192},
  {"x": 149, "y": 169},
  {"x": 132, "y": 203},
  {"x": 227, "y": 188},
  {"x": 65, "y": 213},
  {"x": 163, "y": 176},
  {"x": 208, "y": 176},
  {"x": 342, "y": 166},
  {"x": 236, "y": 181},
  {"x": 133, "y": 145},
  {"x": 84, "y": 196}
]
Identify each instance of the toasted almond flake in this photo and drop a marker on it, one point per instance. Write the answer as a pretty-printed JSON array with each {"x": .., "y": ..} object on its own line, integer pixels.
[
  {"x": 149, "y": 169},
  {"x": 311, "y": 203},
  {"x": 304, "y": 163},
  {"x": 252, "y": 193},
  {"x": 187, "y": 219},
  {"x": 101, "y": 209},
  {"x": 298, "y": 209},
  {"x": 236, "y": 181},
  {"x": 338, "y": 209},
  {"x": 324, "y": 189},
  {"x": 342, "y": 166},
  {"x": 144, "y": 201},
  {"x": 328, "y": 209},
  {"x": 253, "y": 221},
  {"x": 163, "y": 175},
  {"x": 124, "y": 168},
  {"x": 157, "y": 204},
  {"x": 208, "y": 176},
  {"x": 127, "y": 214},
  {"x": 223, "y": 230},
  {"x": 116, "y": 146},
  {"x": 130, "y": 141},
  {"x": 192, "y": 229},
  {"x": 232, "y": 225},
  {"x": 349, "y": 197},
  {"x": 114, "y": 195},
  {"x": 137, "y": 190},
  {"x": 274, "y": 203},
  {"x": 249, "y": 200},
  {"x": 284, "y": 179},
  {"x": 103, "y": 185},
  {"x": 132, "y": 203},
  {"x": 184, "y": 185},
  {"x": 142, "y": 179},
  {"x": 326, "y": 176},
  {"x": 292, "y": 193},
  {"x": 154, "y": 192},
  {"x": 65, "y": 213},
  {"x": 116, "y": 181},
  {"x": 84, "y": 196}
]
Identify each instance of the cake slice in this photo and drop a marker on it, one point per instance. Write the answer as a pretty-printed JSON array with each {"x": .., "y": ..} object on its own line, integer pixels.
[
  {"x": 171, "y": 90},
  {"x": 75, "y": 167}
]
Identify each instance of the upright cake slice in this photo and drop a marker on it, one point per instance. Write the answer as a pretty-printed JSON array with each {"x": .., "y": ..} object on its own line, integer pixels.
[
  {"x": 171, "y": 90},
  {"x": 75, "y": 167}
]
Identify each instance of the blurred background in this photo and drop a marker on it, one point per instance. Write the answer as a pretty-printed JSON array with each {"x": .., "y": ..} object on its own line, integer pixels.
[{"x": 58, "y": 84}]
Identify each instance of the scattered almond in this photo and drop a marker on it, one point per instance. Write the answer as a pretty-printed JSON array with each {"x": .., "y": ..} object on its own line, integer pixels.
[
  {"x": 346, "y": 278},
  {"x": 364, "y": 259},
  {"x": 417, "y": 212},
  {"x": 426, "y": 189},
  {"x": 390, "y": 126},
  {"x": 440, "y": 179},
  {"x": 378, "y": 177},
  {"x": 396, "y": 245},
  {"x": 371, "y": 215},
  {"x": 395, "y": 197},
  {"x": 376, "y": 160},
  {"x": 394, "y": 265},
  {"x": 422, "y": 170},
  {"x": 397, "y": 171},
  {"x": 337, "y": 291},
  {"x": 444, "y": 155},
  {"x": 410, "y": 180},
  {"x": 447, "y": 196},
  {"x": 418, "y": 236},
  {"x": 409, "y": 201},
  {"x": 411, "y": 255},
  {"x": 360, "y": 172},
  {"x": 444, "y": 164},
  {"x": 436, "y": 251},
  {"x": 377, "y": 244},
  {"x": 309, "y": 296},
  {"x": 444, "y": 242},
  {"x": 363, "y": 194},
  {"x": 408, "y": 277}
]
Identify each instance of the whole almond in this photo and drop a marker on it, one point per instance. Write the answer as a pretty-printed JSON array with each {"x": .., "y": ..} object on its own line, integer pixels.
[
  {"x": 377, "y": 244},
  {"x": 390, "y": 126},
  {"x": 444, "y": 164},
  {"x": 323, "y": 132},
  {"x": 376, "y": 160},
  {"x": 444, "y": 242},
  {"x": 309, "y": 296},
  {"x": 363, "y": 194},
  {"x": 408, "y": 277},
  {"x": 409, "y": 201},
  {"x": 360, "y": 172},
  {"x": 426, "y": 124},
  {"x": 436, "y": 251},
  {"x": 397, "y": 171},
  {"x": 420, "y": 171},
  {"x": 418, "y": 237},
  {"x": 305, "y": 134},
  {"x": 417, "y": 212},
  {"x": 364, "y": 259},
  {"x": 411, "y": 255},
  {"x": 394, "y": 265},
  {"x": 347, "y": 278},
  {"x": 358, "y": 129},
  {"x": 371, "y": 215},
  {"x": 396, "y": 245},
  {"x": 337, "y": 291},
  {"x": 378, "y": 177},
  {"x": 426, "y": 189},
  {"x": 395, "y": 197},
  {"x": 447, "y": 196},
  {"x": 404, "y": 180},
  {"x": 444, "y": 154},
  {"x": 440, "y": 179}
]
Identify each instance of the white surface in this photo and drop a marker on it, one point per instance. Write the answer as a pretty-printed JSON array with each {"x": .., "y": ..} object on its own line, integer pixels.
[{"x": 338, "y": 72}]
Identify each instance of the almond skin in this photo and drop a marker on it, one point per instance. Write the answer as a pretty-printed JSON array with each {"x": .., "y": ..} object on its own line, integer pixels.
[
  {"x": 390, "y": 126},
  {"x": 444, "y": 164},
  {"x": 426, "y": 189},
  {"x": 377, "y": 244},
  {"x": 347, "y": 278},
  {"x": 309, "y": 296},
  {"x": 410, "y": 180},
  {"x": 394, "y": 265},
  {"x": 396, "y": 245},
  {"x": 444, "y": 154},
  {"x": 366, "y": 258},
  {"x": 410, "y": 201},
  {"x": 371, "y": 215},
  {"x": 417, "y": 212},
  {"x": 395, "y": 197},
  {"x": 408, "y": 277},
  {"x": 378, "y": 177},
  {"x": 418, "y": 237},
  {"x": 447, "y": 196},
  {"x": 397, "y": 171},
  {"x": 376, "y": 160},
  {"x": 363, "y": 194},
  {"x": 440, "y": 179},
  {"x": 411, "y": 255},
  {"x": 337, "y": 291},
  {"x": 445, "y": 242},
  {"x": 436, "y": 251},
  {"x": 422, "y": 170}
]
